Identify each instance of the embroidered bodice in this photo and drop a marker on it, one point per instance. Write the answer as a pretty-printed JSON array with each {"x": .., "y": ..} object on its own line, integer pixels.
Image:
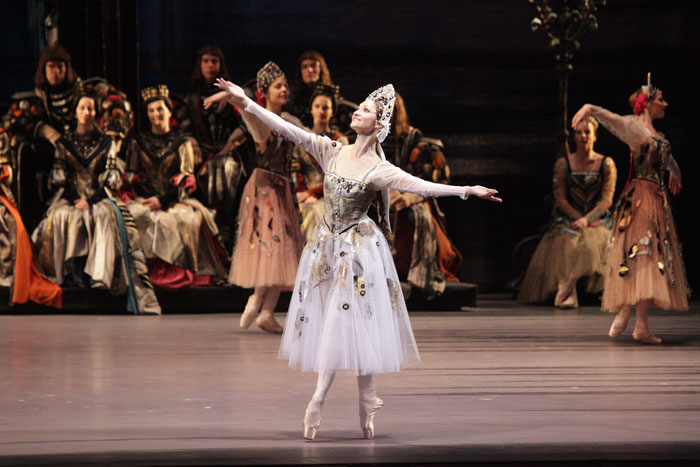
[
  {"x": 346, "y": 200},
  {"x": 157, "y": 159},
  {"x": 80, "y": 161},
  {"x": 650, "y": 162}
]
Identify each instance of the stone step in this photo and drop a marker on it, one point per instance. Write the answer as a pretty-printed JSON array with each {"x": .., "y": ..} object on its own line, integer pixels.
[{"x": 226, "y": 299}]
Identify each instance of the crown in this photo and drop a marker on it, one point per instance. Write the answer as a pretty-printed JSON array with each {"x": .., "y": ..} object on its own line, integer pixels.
[
  {"x": 267, "y": 74},
  {"x": 150, "y": 93},
  {"x": 649, "y": 90},
  {"x": 384, "y": 97}
]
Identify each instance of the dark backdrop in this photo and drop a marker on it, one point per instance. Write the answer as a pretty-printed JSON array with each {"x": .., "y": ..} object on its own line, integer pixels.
[{"x": 472, "y": 74}]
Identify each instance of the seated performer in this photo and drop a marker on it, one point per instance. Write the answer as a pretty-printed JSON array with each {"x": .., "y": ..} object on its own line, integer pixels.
[
  {"x": 306, "y": 173},
  {"x": 347, "y": 311},
  {"x": 574, "y": 245},
  {"x": 423, "y": 253},
  {"x": 178, "y": 234},
  {"x": 36, "y": 121},
  {"x": 18, "y": 269},
  {"x": 87, "y": 230}
]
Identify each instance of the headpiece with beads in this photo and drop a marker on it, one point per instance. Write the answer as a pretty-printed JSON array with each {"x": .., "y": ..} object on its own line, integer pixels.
[
  {"x": 267, "y": 74},
  {"x": 384, "y": 98}
]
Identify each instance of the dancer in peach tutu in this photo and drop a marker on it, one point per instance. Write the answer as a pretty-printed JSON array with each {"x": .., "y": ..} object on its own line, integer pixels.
[{"x": 644, "y": 263}]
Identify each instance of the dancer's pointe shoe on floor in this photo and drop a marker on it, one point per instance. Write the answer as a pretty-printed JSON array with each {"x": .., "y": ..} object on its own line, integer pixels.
[
  {"x": 646, "y": 338},
  {"x": 251, "y": 310},
  {"x": 368, "y": 408},
  {"x": 267, "y": 322},
  {"x": 313, "y": 412},
  {"x": 618, "y": 326}
]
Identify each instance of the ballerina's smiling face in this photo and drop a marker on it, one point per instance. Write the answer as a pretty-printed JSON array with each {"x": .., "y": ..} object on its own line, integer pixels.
[
  {"x": 278, "y": 92},
  {"x": 364, "y": 119}
]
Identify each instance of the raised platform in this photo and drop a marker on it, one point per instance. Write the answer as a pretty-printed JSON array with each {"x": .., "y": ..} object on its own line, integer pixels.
[
  {"x": 224, "y": 299},
  {"x": 500, "y": 384}
]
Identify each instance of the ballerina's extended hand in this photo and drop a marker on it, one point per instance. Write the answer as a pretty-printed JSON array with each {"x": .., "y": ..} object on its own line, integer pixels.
[{"x": 484, "y": 193}]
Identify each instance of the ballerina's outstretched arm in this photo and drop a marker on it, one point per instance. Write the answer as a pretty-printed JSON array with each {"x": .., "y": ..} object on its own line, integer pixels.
[
  {"x": 388, "y": 175},
  {"x": 320, "y": 147}
]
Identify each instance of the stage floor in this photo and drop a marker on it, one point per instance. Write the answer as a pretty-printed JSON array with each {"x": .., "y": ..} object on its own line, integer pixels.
[{"x": 498, "y": 383}]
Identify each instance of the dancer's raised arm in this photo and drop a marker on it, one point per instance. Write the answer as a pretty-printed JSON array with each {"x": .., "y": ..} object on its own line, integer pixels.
[
  {"x": 626, "y": 128},
  {"x": 321, "y": 147}
]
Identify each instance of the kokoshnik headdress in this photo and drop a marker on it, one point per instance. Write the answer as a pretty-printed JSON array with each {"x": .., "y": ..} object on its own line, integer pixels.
[
  {"x": 267, "y": 74},
  {"x": 384, "y": 98},
  {"x": 645, "y": 97}
]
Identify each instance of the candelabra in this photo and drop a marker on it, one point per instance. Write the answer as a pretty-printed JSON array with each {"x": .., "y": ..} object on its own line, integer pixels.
[{"x": 564, "y": 21}]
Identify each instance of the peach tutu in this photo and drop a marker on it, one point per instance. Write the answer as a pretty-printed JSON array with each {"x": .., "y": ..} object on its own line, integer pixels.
[
  {"x": 644, "y": 259},
  {"x": 269, "y": 240}
]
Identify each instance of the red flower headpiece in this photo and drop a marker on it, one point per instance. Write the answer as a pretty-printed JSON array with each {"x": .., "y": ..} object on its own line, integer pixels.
[
  {"x": 260, "y": 99},
  {"x": 640, "y": 103}
]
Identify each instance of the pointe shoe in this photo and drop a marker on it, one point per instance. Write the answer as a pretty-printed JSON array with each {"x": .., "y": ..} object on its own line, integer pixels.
[
  {"x": 251, "y": 309},
  {"x": 309, "y": 431},
  {"x": 616, "y": 329},
  {"x": 367, "y": 411},
  {"x": 267, "y": 322},
  {"x": 647, "y": 338}
]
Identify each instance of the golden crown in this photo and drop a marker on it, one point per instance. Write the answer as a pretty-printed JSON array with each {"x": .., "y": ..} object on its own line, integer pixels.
[{"x": 155, "y": 92}]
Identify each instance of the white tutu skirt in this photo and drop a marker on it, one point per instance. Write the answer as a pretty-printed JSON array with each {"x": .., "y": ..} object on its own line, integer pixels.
[{"x": 347, "y": 310}]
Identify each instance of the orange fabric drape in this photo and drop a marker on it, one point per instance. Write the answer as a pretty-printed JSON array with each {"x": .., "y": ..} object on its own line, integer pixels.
[{"x": 29, "y": 284}]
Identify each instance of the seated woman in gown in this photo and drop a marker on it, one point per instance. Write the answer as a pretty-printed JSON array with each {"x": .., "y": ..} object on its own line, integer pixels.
[
  {"x": 178, "y": 234},
  {"x": 574, "y": 245},
  {"x": 87, "y": 235}
]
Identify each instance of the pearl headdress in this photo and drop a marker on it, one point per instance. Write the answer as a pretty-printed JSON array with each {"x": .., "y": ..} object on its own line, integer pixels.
[
  {"x": 385, "y": 98},
  {"x": 267, "y": 74}
]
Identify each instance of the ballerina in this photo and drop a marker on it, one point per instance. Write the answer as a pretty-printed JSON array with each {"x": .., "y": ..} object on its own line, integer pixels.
[
  {"x": 347, "y": 310},
  {"x": 644, "y": 264}
]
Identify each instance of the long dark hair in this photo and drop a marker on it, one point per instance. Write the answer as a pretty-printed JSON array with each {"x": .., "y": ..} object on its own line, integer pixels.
[
  {"x": 325, "y": 77},
  {"x": 197, "y": 77},
  {"x": 54, "y": 53}
]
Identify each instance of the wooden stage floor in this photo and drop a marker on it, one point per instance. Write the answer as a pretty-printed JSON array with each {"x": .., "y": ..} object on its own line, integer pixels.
[{"x": 499, "y": 383}]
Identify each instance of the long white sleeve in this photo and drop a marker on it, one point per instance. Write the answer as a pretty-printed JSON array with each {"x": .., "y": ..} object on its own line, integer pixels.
[
  {"x": 387, "y": 175},
  {"x": 321, "y": 148}
]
